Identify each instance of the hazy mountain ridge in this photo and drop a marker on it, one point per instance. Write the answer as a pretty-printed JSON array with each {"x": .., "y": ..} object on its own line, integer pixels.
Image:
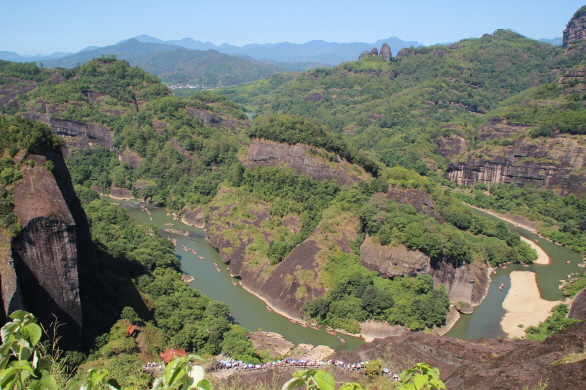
[{"x": 332, "y": 53}]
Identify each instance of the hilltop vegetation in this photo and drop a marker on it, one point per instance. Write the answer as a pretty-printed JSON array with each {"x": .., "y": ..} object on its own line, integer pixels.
[{"x": 396, "y": 109}]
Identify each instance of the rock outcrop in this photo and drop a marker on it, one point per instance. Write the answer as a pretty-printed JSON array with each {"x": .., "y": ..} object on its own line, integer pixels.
[
  {"x": 550, "y": 163},
  {"x": 391, "y": 261},
  {"x": 473, "y": 365},
  {"x": 576, "y": 28},
  {"x": 297, "y": 278},
  {"x": 578, "y": 306},
  {"x": 76, "y": 134},
  {"x": 267, "y": 153},
  {"x": 385, "y": 52},
  {"x": 53, "y": 251},
  {"x": 419, "y": 199},
  {"x": 464, "y": 283},
  {"x": 45, "y": 253},
  {"x": 485, "y": 364}
]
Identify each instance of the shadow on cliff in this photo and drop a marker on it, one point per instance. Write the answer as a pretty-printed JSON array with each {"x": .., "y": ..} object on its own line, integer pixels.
[
  {"x": 38, "y": 300},
  {"x": 106, "y": 293}
]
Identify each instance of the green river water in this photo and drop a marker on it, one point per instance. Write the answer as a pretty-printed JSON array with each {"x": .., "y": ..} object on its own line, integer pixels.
[
  {"x": 485, "y": 321},
  {"x": 247, "y": 309},
  {"x": 250, "y": 311}
]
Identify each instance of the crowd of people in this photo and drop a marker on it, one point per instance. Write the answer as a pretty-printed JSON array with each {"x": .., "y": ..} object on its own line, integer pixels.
[{"x": 226, "y": 363}]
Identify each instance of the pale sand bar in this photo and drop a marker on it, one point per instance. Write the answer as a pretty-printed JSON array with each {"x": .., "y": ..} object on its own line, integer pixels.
[
  {"x": 542, "y": 257},
  {"x": 524, "y": 304}
]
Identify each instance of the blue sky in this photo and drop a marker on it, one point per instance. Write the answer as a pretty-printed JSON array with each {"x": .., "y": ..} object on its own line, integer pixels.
[{"x": 46, "y": 26}]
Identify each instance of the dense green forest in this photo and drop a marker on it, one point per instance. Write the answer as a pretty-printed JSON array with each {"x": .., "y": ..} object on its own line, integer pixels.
[{"x": 396, "y": 109}]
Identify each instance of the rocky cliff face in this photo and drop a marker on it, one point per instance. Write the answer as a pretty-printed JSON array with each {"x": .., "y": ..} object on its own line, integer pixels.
[
  {"x": 76, "y": 134},
  {"x": 576, "y": 28},
  {"x": 420, "y": 200},
  {"x": 550, "y": 163},
  {"x": 52, "y": 252},
  {"x": 464, "y": 283},
  {"x": 45, "y": 252},
  {"x": 268, "y": 153},
  {"x": 296, "y": 279}
]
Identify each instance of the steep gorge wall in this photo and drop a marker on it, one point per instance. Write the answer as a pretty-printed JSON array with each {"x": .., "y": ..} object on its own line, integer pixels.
[
  {"x": 555, "y": 162},
  {"x": 466, "y": 283},
  {"x": 52, "y": 252},
  {"x": 297, "y": 278}
]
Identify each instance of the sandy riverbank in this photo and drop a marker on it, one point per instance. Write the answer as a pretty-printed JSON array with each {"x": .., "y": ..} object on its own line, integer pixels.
[
  {"x": 524, "y": 304},
  {"x": 542, "y": 257}
]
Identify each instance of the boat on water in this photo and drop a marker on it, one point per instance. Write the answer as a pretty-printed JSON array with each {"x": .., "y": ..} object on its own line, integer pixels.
[
  {"x": 234, "y": 283},
  {"x": 331, "y": 332},
  {"x": 269, "y": 308},
  {"x": 217, "y": 269},
  {"x": 292, "y": 320},
  {"x": 200, "y": 257},
  {"x": 303, "y": 324},
  {"x": 216, "y": 265},
  {"x": 341, "y": 339},
  {"x": 315, "y": 327}
]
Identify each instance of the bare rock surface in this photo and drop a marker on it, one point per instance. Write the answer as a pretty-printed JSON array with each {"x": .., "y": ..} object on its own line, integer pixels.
[
  {"x": 385, "y": 52},
  {"x": 483, "y": 363},
  {"x": 274, "y": 343},
  {"x": 466, "y": 283},
  {"x": 268, "y": 153},
  {"x": 477, "y": 364},
  {"x": 576, "y": 29},
  {"x": 390, "y": 261},
  {"x": 549, "y": 163},
  {"x": 76, "y": 134},
  {"x": 45, "y": 253},
  {"x": 120, "y": 193},
  {"x": 193, "y": 217},
  {"x": 578, "y": 306},
  {"x": 419, "y": 199}
]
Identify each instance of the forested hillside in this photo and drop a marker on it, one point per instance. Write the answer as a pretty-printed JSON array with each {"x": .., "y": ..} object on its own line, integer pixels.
[
  {"x": 189, "y": 154},
  {"x": 340, "y": 168},
  {"x": 396, "y": 109},
  {"x": 178, "y": 65}
]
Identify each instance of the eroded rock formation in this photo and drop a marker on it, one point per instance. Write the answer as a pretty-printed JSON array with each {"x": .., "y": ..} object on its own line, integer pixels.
[
  {"x": 76, "y": 134},
  {"x": 45, "y": 253},
  {"x": 550, "y": 163},
  {"x": 296, "y": 279},
  {"x": 576, "y": 28},
  {"x": 42, "y": 273},
  {"x": 385, "y": 52},
  {"x": 464, "y": 283},
  {"x": 268, "y": 153}
]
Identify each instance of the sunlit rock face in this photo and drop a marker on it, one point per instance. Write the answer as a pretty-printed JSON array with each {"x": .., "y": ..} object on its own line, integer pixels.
[{"x": 576, "y": 28}]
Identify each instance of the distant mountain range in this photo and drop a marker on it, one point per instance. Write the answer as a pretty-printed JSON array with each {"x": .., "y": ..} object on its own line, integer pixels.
[
  {"x": 187, "y": 61},
  {"x": 557, "y": 41},
  {"x": 319, "y": 52},
  {"x": 330, "y": 53}
]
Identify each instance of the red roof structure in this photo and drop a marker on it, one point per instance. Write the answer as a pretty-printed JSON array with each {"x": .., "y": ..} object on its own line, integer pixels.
[
  {"x": 130, "y": 330},
  {"x": 169, "y": 354}
]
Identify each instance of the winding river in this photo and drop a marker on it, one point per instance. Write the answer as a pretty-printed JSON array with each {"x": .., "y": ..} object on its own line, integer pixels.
[
  {"x": 247, "y": 309},
  {"x": 250, "y": 311},
  {"x": 486, "y": 319}
]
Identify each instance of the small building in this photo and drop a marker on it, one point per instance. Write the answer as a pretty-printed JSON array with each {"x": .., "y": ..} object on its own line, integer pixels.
[{"x": 169, "y": 354}]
